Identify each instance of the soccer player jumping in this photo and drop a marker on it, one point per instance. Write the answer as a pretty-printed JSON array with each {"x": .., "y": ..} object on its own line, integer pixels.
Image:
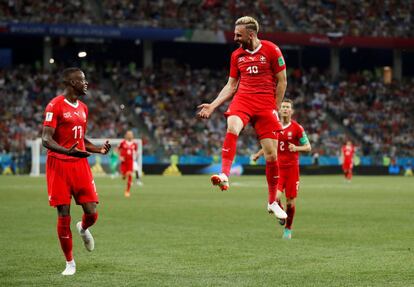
[
  {"x": 258, "y": 83},
  {"x": 292, "y": 140},
  {"x": 67, "y": 169}
]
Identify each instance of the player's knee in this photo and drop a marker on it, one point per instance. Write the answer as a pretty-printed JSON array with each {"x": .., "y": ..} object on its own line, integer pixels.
[
  {"x": 63, "y": 210},
  {"x": 270, "y": 156},
  {"x": 290, "y": 202},
  {"x": 89, "y": 208},
  {"x": 233, "y": 130}
]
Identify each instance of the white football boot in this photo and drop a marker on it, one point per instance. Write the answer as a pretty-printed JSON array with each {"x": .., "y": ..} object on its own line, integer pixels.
[
  {"x": 221, "y": 180},
  {"x": 70, "y": 268},
  {"x": 86, "y": 236},
  {"x": 276, "y": 210}
]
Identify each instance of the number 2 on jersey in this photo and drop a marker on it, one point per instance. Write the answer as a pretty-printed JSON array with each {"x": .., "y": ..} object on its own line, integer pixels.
[{"x": 76, "y": 133}]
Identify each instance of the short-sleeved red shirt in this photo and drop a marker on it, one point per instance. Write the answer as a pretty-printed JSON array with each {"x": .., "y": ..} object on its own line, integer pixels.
[
  {"x": 128, "y": 150},
  {"x": 292, "y": 133},
  {"x": 257, "y": 72},
  {"x": 69, "y": 121}
]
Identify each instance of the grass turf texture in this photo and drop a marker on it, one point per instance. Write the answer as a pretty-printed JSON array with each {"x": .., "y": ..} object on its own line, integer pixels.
[{"x": 180, "y": 231}]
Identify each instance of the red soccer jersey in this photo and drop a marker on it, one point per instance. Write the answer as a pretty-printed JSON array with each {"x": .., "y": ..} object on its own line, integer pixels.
[
  {"x": 257, "y": 72},
  {"x": 69, "y": 121},
  {"x": 291, "y": 133},
  {"x": 348, "y": 153},
  {"x": 127, "y": 149}
]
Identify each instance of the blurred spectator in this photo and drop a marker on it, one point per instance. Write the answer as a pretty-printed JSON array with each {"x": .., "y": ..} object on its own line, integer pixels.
[{"x": 356, "y": 18}]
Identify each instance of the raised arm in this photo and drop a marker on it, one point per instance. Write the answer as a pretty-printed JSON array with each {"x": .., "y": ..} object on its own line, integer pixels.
[
  {"x": 225, "y": 94},
  {"x": 49, "y": 143}
]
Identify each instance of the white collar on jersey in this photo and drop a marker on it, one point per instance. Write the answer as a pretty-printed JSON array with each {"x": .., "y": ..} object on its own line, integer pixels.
[
  {"x": 288, "y": 125},
  {"x": 255, "y": 50},
  {"x": 73, "y": 105}
]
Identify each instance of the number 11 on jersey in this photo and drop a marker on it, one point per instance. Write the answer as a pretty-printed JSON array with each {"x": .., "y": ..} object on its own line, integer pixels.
[{"x": 77, "y": 132}]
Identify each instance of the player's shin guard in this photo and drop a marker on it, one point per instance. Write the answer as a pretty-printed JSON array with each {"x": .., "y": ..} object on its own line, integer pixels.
[
  {"x": 89, "y": 220},
  {"x": 272, "y": 173},
  {"x": 65, "y": 236},
  {"x": 228, "y": 152},
  {"x": 290, "y": 210}
]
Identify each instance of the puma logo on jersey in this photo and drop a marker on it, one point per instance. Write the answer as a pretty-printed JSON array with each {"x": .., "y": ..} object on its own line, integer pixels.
[
  {"x": 76, "y": 113},
  {"x": 225, "y": 149}
]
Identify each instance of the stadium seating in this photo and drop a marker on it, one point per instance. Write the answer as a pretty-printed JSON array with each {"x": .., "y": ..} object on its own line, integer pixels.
[
  {"x": 165, "y": 100},
  {"x": 356, "y": 18}
]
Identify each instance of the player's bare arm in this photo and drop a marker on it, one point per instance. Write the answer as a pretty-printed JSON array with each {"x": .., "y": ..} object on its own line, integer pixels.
[
  {"x": 225, "y": 94},
  {"x": 257, "y": 155},
  {"x": 280, "y": 87},
  {"x": 302, "y": 148},
  {"x": 49, "y": 143},
  {"x": 103, "y": 149}
]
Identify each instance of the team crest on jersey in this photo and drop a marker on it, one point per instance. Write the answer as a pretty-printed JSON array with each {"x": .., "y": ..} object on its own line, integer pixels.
[
  {"x": 289, "y": 135},
  {"x": 67, "y": 115},
  {"x": 263, "y": 59},
  {"x": 241, "y": 59}
]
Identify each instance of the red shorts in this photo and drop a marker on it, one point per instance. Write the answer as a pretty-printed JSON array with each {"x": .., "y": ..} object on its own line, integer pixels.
[
  {"x": 289, "y": 180},
  {"x": 67, "y": 178},
  {"x": 347, "y": 166},
  {"x": 265, "y": 121},
  {"x": 126, "y": 166}
]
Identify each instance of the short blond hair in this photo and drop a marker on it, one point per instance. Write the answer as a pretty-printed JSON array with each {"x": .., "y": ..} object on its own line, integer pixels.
[{"x": 249, "y": 22}]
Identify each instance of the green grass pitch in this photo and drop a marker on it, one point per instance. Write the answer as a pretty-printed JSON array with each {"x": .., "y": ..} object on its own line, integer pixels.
[{"x": 180, "y": 231}]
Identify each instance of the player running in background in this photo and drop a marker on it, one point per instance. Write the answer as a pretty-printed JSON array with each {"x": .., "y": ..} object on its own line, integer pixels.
[
  {"x": 292, "y": 140},
  {"x": 67, "y": 169},
  {"x": 347, "y": 157},
  {"x": 127, "y": 150},
  {"x": 258, "y": 83}
]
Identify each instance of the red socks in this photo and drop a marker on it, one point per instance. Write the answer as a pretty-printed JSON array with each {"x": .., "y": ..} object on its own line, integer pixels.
[
  {"x": 290, "y": 213},
  {"x": 272, "y": 172},
  {"x": 65, "y": 236},
  {"x": 129, "y": 182},
  {"x": 89, "y": 220},
  {"x": 228, "y": 152}
]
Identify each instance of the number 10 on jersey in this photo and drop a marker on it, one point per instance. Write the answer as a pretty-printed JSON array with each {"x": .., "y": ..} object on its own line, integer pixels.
[{"x": 252, "y": 69}]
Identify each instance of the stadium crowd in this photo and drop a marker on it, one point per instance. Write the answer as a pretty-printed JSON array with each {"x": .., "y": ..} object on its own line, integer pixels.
[
  {"x": 357, "y": 18},
  {"x": 165, "y": 100},
  {"x": 24, "y": 93},
  {"x": 48, "y": 11}
]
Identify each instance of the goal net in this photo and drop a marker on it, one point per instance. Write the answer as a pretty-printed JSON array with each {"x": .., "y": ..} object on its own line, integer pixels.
[{"x": 100, "y": 164}]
